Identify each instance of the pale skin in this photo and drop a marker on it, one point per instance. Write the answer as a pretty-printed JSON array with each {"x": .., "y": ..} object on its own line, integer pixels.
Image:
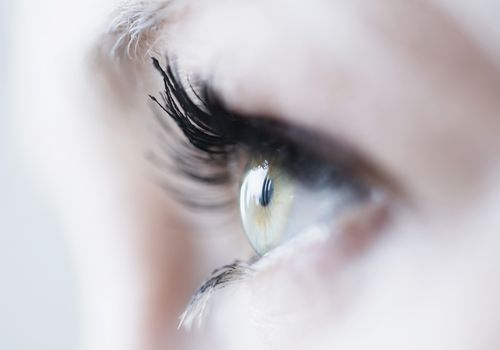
[{"x": 411, "y": 86}]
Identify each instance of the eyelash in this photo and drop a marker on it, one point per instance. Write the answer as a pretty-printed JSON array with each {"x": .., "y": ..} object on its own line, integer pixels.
[
  {"x": 212, "y": 143},
  {"x": 205, "y": 157},
  {"x": 218, "y": 138},
  {"x": 220, "y": 278}
]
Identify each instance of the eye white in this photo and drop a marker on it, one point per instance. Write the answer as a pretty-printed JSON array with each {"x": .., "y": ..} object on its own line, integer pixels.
[{"x": 276, "y": 207}]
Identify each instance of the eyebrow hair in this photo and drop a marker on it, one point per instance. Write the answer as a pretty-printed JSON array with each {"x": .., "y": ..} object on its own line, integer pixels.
[{"x": 136, "y": 27}]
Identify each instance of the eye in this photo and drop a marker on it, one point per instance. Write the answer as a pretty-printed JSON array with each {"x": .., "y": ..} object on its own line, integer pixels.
[
  {"x": 278, "y": 202},
  {"x": 294, "y": 179}
]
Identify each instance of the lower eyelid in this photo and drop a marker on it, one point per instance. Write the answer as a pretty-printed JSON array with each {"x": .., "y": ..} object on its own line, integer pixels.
[
  {"x": 343, "y": 240},
  {"x": 319, "y": 248},
  {"x": 323, "y": 263}
]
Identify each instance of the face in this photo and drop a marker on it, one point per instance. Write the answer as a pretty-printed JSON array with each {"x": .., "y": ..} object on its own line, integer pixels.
[{"x": 347, "y": 152}]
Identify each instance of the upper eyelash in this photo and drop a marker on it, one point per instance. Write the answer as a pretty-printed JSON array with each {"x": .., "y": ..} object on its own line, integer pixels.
[
  {"x": 216, "y": 135},
  {"x": 203, "y": 127},
  {"x": 205, "y": 156}
]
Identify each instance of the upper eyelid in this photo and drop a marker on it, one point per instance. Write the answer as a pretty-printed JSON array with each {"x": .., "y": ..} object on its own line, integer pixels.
[
  {"x": 233, "y": 128},
  {"x": 223, "y": 133}
]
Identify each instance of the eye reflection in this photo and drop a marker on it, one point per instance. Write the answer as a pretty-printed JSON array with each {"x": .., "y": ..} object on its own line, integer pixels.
[{"x": 267, "y": 192}]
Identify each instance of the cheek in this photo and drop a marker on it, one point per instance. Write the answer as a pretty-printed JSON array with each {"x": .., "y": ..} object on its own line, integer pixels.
[
  {"x": 410, "y": 288},
  {"x": 301, "y": 289}
]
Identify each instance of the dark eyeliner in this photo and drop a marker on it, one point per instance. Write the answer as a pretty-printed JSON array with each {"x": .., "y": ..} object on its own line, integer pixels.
[{"x": 217, "y": 137}]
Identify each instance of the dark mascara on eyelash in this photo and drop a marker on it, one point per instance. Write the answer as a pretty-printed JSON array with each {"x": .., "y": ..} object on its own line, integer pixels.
[{"x": 217, "y": 137}]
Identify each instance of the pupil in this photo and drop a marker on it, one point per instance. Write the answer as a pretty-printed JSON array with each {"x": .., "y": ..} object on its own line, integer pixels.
[{"x": 267, "y": 192}]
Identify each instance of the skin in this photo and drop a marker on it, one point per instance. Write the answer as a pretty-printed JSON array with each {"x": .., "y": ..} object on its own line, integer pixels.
[
  {"x": 407, "y": 87},
  {"x": 412, "y": 87}
]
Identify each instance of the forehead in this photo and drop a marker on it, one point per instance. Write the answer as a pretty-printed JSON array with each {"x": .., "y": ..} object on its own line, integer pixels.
[
  {"x": 338, "y": 56},
  {"x": 271, "y": 44}
]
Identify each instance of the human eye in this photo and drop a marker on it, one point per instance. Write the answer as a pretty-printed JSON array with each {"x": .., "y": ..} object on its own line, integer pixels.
[
  {"x": 285, "y": 180},
  {"x": 288, "y": 190}
]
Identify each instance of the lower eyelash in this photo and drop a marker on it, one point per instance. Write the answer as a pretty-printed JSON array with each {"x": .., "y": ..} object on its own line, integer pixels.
[{"x": 220, "y": 278}]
